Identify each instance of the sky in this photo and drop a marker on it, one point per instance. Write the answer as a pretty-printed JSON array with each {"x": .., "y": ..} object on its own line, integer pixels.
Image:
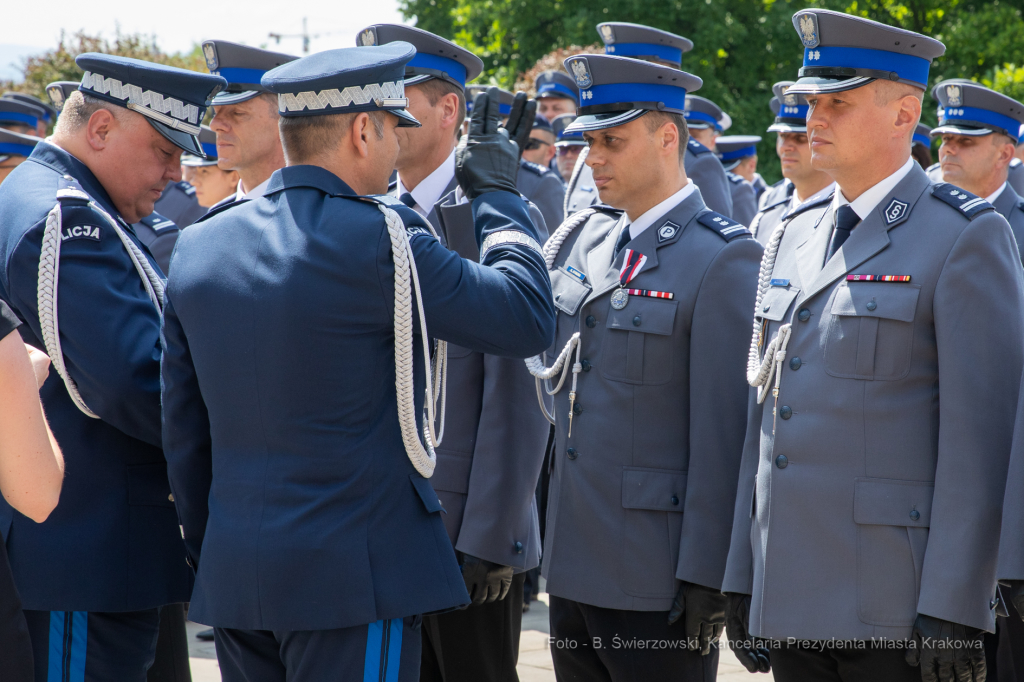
[{"x": 177, "y": 26}]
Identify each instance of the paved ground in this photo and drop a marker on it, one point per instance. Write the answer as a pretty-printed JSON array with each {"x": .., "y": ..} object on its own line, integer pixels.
[{"x": 534, "y": 653}]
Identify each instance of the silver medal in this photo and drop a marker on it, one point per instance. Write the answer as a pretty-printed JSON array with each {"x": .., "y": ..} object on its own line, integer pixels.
[{"x": 619, "y": 299}]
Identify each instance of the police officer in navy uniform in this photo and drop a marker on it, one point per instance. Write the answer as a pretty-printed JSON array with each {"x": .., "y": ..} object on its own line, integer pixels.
[
  {"x": 732, "y": 151},
  {"x": 93, "y": 576},
  {"x": 979, "y": 129},
  {"x": 302, "y": 483},
  {"x": 868, "y": 505},
  {"x": 20, "y": 117},
  {"x": 653, "y": 298},
  {"x": 706, "y": 122},
  {"x": 14, "y": 149},
  {"x": 568, "y": 145},
  {"x": 49, "y": 114},
  {"x": 801, "y": 183},
  {"x": 557, "y": 94}
]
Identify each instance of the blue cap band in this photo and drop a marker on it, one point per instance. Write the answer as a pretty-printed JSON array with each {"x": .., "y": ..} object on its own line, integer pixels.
[
  {"x": 790, "y": 111},
  {"x": 740, "y": 153},
  {"x": 664, "y": 52},
  {"x": 210, "y": 149},
  {"x": 449, "y": 66},
  {"x": 233, "y": 75},
  {"x": 672, "y": 96},
  {"x": 907, "y": 66},
  {"x": 701, "y": 116},
  {"x": 556, "y": 87},
  {"x": 923, "y": 139},
  {"x": 15, "y": 117},
  {"x": 972, "y": 115},
  {"x": 13, "y": 148}
]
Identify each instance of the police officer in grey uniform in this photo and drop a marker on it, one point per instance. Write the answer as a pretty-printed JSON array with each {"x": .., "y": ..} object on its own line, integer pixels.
[
  {"x": 922, "y": 149},
  {"x": 868, "y": 500},
  {"x": 707, "y": 121},
  {"x": 979, "y": 129},
  {"x": 539, "y": 183},
  {"x": 732, "y": 150},
  {"x": 801, "y": 183},
  {"x": 652, "y": 298}
]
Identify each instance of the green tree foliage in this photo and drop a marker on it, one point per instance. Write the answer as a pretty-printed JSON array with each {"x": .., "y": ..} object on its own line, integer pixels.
[{"x": 741, "y": 47}]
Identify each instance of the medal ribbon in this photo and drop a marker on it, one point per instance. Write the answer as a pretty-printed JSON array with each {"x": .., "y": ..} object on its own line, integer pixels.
[{"x": 631, "y": 266}]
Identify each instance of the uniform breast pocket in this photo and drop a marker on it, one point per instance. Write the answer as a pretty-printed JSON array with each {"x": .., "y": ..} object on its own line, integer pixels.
[
  {"x": 638, "y": 345},
  {"x": 568, "y": 291},
  {"x": 871, "y": 333}
]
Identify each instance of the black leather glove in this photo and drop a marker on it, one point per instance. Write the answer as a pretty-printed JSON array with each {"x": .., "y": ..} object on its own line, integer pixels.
[
  {"x": 1013, "y": 592},
  {"x": 487, "y": 159},
  {"x": 521, "y": 119},
  {"x": 947, "y": 652},
  {"x": 752, "y": 655},
  {"x": 486, "y": 581},
  {"x": 703, "y": 613}
]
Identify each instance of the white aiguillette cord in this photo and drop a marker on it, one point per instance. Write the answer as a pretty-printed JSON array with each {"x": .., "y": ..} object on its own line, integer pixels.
[{"x": 760, "y": 372}]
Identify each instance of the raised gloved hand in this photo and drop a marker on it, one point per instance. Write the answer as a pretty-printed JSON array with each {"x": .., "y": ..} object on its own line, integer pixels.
[
  {"x": 487, "y": 159},
  {"x": 753, "y": 657},
  {"x": 1013, "y": 592},
  {"x": 946, "y": 651},
  {"x": 703, "y": 613},
  {"x": 486, "y": 581}
]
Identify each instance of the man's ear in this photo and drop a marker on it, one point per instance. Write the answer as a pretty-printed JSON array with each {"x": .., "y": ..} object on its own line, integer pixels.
[
  {"x": 669, "y": 137},
  {"x": 909, "y": 114},
  {"x": 362, "y": 128},
  {"x": 450, "y": 110},
  {"x": 99, "y": 128}
]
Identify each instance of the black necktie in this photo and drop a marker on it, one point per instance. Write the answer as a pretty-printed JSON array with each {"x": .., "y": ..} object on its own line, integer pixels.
[
  {"x": 846, "y": 220},
  {"x": 407, "y": 199},
  {"x": 623, "y": 240}
]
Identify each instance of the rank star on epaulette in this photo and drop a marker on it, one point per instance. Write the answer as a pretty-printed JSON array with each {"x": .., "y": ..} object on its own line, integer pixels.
[{"x": 962, "y": 200}]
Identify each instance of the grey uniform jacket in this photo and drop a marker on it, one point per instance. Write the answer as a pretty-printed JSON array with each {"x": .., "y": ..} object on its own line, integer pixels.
[
  {"x": 641, "y": 494},
  {"x": 744, "y": 199},
  {"x": 774, "y": 206},
  {"x": 544, "y": 188},
  {"x": 178, "y": 202},
  {"x": 1016, "y": 177},
  {"x": 1011, "y": 206},
  {"x": 580, "y": 192},
  {"x": 877, "y": 483},
  {"x": 704, "y": 168},
  {"x": 159, "y": 234},
  {"x": 494, "y": 437}
]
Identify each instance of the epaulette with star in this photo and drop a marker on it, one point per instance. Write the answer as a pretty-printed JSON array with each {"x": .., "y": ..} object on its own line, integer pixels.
[
  {"x": 962, "y": 200},
  {"x": 696, "y": 148},
  {"x": 158, "y": 223},
  {"x": 735, "y": 179},
  {"x": 725, "y": 228}
]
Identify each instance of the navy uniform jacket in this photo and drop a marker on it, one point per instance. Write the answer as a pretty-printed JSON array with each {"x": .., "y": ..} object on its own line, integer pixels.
[
  {"x": 704, "y": 168},
  {"x": 279, "y": 377},
  {"x": 112, "y": 543},
  {"x": 178, "y": 202},
  {"x": 543, "y": 187},
  {"x": 744, "y": 199},
  {"x": 1016, "y": 176},
  {"x": 1011, "y": 206}
]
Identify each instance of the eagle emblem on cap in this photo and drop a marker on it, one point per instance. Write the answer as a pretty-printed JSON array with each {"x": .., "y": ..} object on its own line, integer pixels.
[
  {"x": 809, "y": 30},
  {"x": 581, "y": 72},
  {"x": 953, "y": 98},
  {"x": 608, "y": 34},
  {"x": 367, "y": 38},
  {"x": 211, "y": 56},
  {"x": 789, "y": 100},
  {"x": 56, "y": 96}
]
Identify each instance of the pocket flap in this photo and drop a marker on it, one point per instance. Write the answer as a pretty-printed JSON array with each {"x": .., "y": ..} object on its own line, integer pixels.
[
  {"x": 654, "y": 489},
  {"x": 426, "y": 493},
  {"x": 646, "y": 315},
  {"x": 148, "y": 486},
  {"x": 776, "y": 302},
  {"x": 568, "y": 291},
  {"x": 892, "y": 502},
  {"x": 890, "y": 300}
]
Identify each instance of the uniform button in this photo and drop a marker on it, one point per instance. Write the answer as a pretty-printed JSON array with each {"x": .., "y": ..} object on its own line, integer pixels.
[
  {"x": 636, "y": 321},
  {"x": 803, "y": 315},
  {"x": 577, "y": 409},
  {"x": 782, "y": 461},
  {"x": 519, "y": 548},
  {"x": 591, "y": 321},
  {"x": 170, "y": 498},
  {"x": 675, "y": 499},
  {"x": 766, "y": 308},
  {"x": 571, "y": 453},
  {"x": 871, "y": 305},
  {"x": 785, "y": 411},
  {"x": 794, "y": 364},
  {"x": 586, "y": 365},
  {"x": 915, "y": 515}
]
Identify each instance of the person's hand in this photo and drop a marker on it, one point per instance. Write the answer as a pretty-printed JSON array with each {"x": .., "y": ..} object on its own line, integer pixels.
[
  {"x": 946, "y": 651},
  {"x": 520, "y": 120},
  {"x": 703, "y": 612},
  {"x": 486, "y": 581},
  {"x": 40, "y": 364},
  {"x": 487, "y": 159},
  {"x": 752, "y": 656}
]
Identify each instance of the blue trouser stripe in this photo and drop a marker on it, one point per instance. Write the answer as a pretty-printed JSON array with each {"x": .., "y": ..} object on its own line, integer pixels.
[
  {"x": 67, "y": 646},
  {"x": 383, "y": 651}
]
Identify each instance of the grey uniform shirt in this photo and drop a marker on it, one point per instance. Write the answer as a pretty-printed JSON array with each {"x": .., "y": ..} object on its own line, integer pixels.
[
  {"x": 744, "y": 199},
  {"x": 1010, "y": 205},
  {"x": 704, "y": 168}
]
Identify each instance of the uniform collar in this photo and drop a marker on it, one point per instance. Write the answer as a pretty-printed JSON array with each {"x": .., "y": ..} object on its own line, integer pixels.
[
  {"x": 49, "y": 154},
  {"x": 995, "y": 195},
  {"x": 255, "y": 193},
  {"x": 866, "y": 202},
  {"x": 308, "y": 176},
  {"x": 432, "y": 188},
  {"x": 652, "y": 215},
  {"x": 795, "y": 203}
]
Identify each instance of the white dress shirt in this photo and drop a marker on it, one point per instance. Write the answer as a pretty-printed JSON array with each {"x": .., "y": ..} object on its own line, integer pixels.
[
  {"x": 995, "y": 195},
  {"x": 429, "y": 191},
  {"x": 255, "y": 193},
  {"x": 651, "y": 215}
]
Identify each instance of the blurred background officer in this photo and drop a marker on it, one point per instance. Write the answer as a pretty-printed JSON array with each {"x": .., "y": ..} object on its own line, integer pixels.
[
  {"x": 801, "y": 183},
  {"x": 212, "y": 184},
  {"x": 979, "y": 129},
  {"x": 245, "y": 115},
  {"x": 14, "y": 149},
  {"x": 49, "y": 114},
  {"x": 94, "y": 574},
  {"x": 568, "y": 146},
  {"x": 644, "y": 473},
  {"x": 31, "y": 473},
  {"x": 540, "y": 149},
  {"x": 557, "y": 95},
  {"x": 880, "y": 484},
  {"x": 320, "y": 570},
  {"x": 537, "y": 180},
  {"x": 20, "y": 117},
  {"x": 59, "y": 91},
  {"x": 738, "y": 154},
  {"x": 706, "y": 122},
  {"x": 922, "y": 148}
]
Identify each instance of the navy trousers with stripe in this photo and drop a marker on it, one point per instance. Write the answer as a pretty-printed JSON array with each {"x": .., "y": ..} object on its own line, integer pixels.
[
  {"x": 80, "y": 646},
  {"x": 385, "y": 651}
]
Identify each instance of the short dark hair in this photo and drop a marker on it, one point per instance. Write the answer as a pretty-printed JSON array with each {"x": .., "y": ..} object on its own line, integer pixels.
[
  {"x": 436, "y": 88},
  {"x": 656, "y": 119},
  {"x": 304, "y": 138}
]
